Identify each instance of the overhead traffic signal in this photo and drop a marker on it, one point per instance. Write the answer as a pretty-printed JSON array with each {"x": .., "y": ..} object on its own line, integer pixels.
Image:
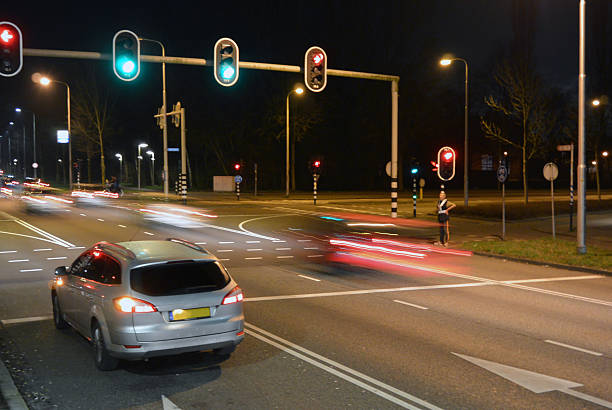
[
  {"x": 11, "y": 49},
  {"x": 446, "y": 163},
  {"x": 315, "y": 69},
  {"x": 226, "y": 62},
  {"x": 126, "y": 55}
]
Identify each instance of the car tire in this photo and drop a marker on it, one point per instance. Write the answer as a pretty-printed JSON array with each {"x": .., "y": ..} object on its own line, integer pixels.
[
  {"x": 224, "y": 351},
  {"x": 104, "y": 361},
  {"x": 58, "y": 316}
]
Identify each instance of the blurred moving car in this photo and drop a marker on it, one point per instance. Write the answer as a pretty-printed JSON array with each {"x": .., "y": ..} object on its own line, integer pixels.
[
  {"x": 35, "y": 186},
  {"x": 141, "y": 299}
]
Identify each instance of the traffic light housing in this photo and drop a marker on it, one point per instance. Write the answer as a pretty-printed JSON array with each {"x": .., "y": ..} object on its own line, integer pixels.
[
  {"x": 11, "y": 49},
  {"x": 315, "y": 166},
  {"x": 237, "y": 168},
  {"x": 446, "y": 163},
  {"x": 315, "y": 69},
  {"x": 226, "y": 62},
  {"x": 126, "y": 55}
]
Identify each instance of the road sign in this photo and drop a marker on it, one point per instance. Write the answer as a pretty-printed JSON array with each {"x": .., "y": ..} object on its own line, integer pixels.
[
  {"x": 564, "y": 147},
  {"x": 388, "y": 168},
  {"x": 502, "y": 174},
  {"x": 63, "y": 137},
  {"x": 550, "y": 171},
  {"x": 237, "y": 179}
]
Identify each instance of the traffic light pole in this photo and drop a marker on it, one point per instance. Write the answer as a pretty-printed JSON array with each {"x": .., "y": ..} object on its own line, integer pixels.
[{"x": 394, "y": 80}]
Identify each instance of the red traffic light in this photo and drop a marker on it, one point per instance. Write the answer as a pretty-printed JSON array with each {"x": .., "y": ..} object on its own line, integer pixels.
[
  {"x": 237, "y": 167},
  {"x": 318, "y": 58},
  {"x": 317, "y": 164},
  {"x": 447, "y": 156},
  {"x": 7, "y": 36}
]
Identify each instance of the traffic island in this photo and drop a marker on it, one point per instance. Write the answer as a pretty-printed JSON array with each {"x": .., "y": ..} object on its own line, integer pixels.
[{"x": 553, "y": 252}]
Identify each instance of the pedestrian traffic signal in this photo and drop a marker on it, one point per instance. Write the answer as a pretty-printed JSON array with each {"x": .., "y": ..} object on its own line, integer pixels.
[
  {"x": 446, "y": 163},
  {"x": 11, "y": 49},
  {"x": 226, "y": 62},
  {"x": 126, "y": 55},
  {"x": 414, "y": 171},
  {"x": 315, "y": 69}
]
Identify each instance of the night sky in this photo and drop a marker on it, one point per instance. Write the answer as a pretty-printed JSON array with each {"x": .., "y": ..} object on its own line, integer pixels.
[{"x": 404, "y": 38}]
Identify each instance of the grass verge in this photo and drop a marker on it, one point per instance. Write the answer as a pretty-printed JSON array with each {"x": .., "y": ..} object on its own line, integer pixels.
[{"x": 546, "y": 250}]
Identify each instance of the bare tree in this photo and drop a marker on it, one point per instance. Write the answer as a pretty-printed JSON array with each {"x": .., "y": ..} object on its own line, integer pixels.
[
  {"x": 91, "y": 118},
  {"x": 521, "y": 100}
]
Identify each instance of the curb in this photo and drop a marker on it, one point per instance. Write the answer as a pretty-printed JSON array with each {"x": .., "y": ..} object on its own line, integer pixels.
[
  {"x": 8, "y": 390},
  {"x": 539, "y": 263}
]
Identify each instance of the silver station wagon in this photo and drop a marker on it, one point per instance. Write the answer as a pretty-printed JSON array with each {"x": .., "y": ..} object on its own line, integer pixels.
[{"x": 141, "y": 299}]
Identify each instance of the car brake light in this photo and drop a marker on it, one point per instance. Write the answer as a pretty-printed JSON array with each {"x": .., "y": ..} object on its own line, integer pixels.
[
  {"x": 234, "y": 296},
  {"x": 131, "y": 305}
]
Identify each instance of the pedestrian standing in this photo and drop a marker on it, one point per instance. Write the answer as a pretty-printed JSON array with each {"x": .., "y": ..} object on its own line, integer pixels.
[{"x": 444, "y": 206}]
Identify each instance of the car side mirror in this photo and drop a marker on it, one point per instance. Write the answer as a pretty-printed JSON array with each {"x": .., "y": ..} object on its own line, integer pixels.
[{"x": 61, "y": 270}]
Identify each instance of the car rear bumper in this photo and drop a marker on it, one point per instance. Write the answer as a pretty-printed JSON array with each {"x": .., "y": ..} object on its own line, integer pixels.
[{"x": 177, "y": 346}]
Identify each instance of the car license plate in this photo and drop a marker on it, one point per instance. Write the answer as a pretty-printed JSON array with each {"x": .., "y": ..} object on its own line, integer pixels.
[{"x": 187, "y": 314}]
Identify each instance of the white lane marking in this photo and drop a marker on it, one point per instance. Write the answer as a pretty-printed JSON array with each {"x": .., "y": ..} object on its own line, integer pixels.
[
  {"x": 574, "y": 348},
  {"x": 254, "y": 257},
  {"x": 30, "y": 270},
  {"x": 242, "y": 232},
  {"x": 246, "y": 231},
  {"x": 283, "y": 249},
  {"x": 284, "y": 257},
  {"x": 254, "y": 249},
  {"x": 42, "y": 249},
  {"x": 334, "y": 368},
  {"x": 100, "y": 219},
  {"x": 312, "y": 249},
  {"x": 304, "y": 240},
  {"x": 76, "y": 247},
  {"x": 410, "y": 304},
  {"x": 224, "y": 259},
  {"x": 225, "y": 250},
  {"x": 315, "y": 256},
  {"x": 8, "y": 251},
  {"x": 57, "y": 258},
  {"x": 18, "y": 260},
  {"x": 46, "y": 234},
  {"x": 122, "y": 226},
  {"x": 279, "y": 241},
  {"x": 200, "y": 243},
  {"x": 82, "y": 214},
  {"x": 30, "y": 237},
  {"x": 253, "y": 241},
  {"x": 25, "y": 319},
  {"x": 149, "y": 233},
  {"x": 309, "y": 278},
  {"x": 225, "y": 242},
  {"x": 168, "y": 405}
]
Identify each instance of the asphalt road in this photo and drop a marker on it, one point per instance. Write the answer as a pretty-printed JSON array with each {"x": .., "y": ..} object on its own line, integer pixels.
[{"x": 325, "y": 329}]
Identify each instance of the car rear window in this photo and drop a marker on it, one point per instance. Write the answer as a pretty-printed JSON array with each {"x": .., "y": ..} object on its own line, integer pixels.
[{"x": 178, "y": 278}]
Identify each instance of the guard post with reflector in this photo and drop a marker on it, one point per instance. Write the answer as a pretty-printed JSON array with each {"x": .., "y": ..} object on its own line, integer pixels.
[
  {"x": 226, "y": 57},
  {"x": 11, "y": 49},
  {"x": 316, "y": 172},
  {"x": 315, "y": 69},
  {"x": 126, "y": 55}
]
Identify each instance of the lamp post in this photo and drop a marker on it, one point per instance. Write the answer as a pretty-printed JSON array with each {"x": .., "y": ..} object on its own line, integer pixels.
[
  {"x": 446, "y": 62},
  {"x": 139, "y": 159},
  {"x": 10, "y": 164},
  {"x": 164, "y": 110},
  {"x": 298, "y": 91},
  {"x": 581, "y": 174},
  {"x": 596, "y": 103},
  {"x": 152, "y": 155},
  {"x": 19, "y": 110},
  {"x": 45, "y": 81},
  {"x": 120, "y": 157}
]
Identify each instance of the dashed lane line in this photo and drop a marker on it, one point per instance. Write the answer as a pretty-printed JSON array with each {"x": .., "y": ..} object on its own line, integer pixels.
[
  {"x": 148, "y": 233},
  {"x": 122, "y": 226},
  {"x": 30, "y": 270},
  {"x": 314, "y": 256},
  {"x": 8, "y": 251},
  {"x": 225, "y": 242},
  {"x": 42, "y": 249},
  {"x": 304, "y": 240},
  {"x": 18, "y": 260},
  {"x": 254, "y": 258},
  {"x": 253, "y": 241},
  {"x": 25, "y": 319},
  {"x": 100, "y": 219},
  {"x": 580, "y": 349},
  {"x": 411, "y": 304},
  {"x": 57, "y": 258},
  {"x": 312, "y": 249},
  {"x": 83, "y": 214},
  {"x": 309, "y": 278},
  {"x": 284, "y": 257},
  {"x": 254, "y": 249},
  {"x": 73, "y": 248},
  {"x": 225, "y": 250},
  {"x": 200, "y": 243},
  {"x": 282, "y": 249}
]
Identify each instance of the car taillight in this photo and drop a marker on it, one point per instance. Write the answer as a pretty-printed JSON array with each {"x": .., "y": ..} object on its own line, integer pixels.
[
  {"x": 131, "y": 305},
  {"x": 234, "y": 296}
]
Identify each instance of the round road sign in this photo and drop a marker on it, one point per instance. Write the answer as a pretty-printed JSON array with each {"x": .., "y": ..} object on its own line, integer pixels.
[
  {"x": 35, "y": 165},
  {"x": 550, "y": 171},
  {"x": 237, "y": 179},
  {"x": 388, "y": 168},
  {"x": 502, "y": 174}
]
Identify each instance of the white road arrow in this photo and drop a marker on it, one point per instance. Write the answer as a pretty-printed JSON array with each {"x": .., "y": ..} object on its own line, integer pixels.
[
  {"x": 168, "y": 405},
  {"x": 537, "y": 383}
]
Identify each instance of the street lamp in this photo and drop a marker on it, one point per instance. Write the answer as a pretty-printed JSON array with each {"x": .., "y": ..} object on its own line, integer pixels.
[
  {"x": 152, "y": 155},
  {"x": 120, "y": 157},
  {"x": 447, "y": 62},
  {"x": 298, "y": 91},
  {"x": 45, "y": 81},
  {"x": 595, "y": 102},
  {"x": 164, "y": 110},
  {"x": 139, "y": 158}
]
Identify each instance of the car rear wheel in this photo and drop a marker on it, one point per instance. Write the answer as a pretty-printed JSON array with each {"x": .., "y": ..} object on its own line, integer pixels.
[
  {"x": 58, "y": 316},
  {"x": 104, "y": 361}
]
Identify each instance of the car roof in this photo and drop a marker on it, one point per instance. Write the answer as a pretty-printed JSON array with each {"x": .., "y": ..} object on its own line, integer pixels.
[{"x": 146, "y": 252}]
